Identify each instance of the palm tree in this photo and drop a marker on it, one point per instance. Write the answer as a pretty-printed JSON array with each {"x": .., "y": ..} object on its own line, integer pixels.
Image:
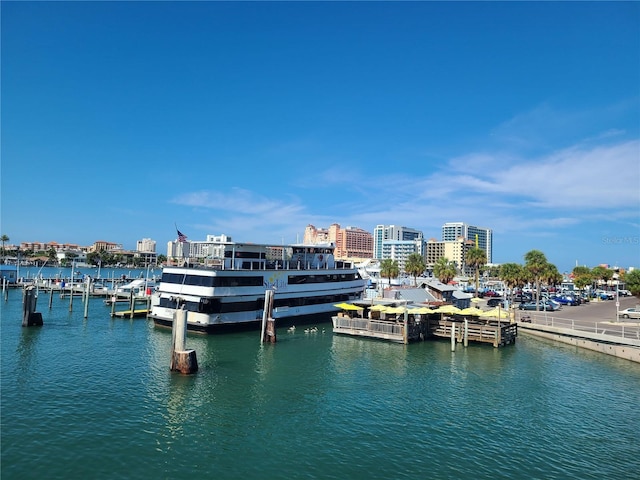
[
  {"x": 551, "y": 275},
  {"x": 389, "y": 269},
  {"x": 415, "y": 266},
  {"x": 535, "y": 264},
  {"x": 444, "y": 270},
  {"x": 512, "y": 274},
  {"x": 476, "y": 258},
  {"x": 3, "y": 239}
]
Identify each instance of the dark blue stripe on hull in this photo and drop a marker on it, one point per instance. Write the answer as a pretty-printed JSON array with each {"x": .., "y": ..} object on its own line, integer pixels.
[{"x": 249, "y": 326}]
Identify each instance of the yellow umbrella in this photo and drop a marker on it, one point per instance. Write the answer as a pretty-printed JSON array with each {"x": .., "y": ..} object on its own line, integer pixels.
[
  {"x": 420, "y": 310},
  {"x": 378, "y": 308},
  {"x": 475, "y": 300},
  {"x": 348, "y": 306},
  {"x": 395, "y": 310},
  {"x": 495, "y": 313},
  {"x": 447, "y": 309},
  {"x": 471, "y": 312}
]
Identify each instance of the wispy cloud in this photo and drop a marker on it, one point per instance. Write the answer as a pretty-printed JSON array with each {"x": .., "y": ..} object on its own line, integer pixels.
[{"x": 507, "y": 189}]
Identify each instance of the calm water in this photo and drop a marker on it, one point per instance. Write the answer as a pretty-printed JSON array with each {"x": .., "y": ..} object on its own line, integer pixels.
[{"x": 94, "y": 398}]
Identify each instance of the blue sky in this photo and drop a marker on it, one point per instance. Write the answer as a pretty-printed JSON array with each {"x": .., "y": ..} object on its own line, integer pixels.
[{"x": 122, "y": 119}]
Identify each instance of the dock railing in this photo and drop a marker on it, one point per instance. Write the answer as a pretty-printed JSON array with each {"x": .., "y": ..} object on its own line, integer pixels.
[
  {"x": 615, "y": 329},
  {"x": 386, "y": 329}
]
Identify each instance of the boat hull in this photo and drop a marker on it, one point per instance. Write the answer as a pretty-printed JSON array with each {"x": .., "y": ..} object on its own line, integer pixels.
[{"x": 254, "y": 325}]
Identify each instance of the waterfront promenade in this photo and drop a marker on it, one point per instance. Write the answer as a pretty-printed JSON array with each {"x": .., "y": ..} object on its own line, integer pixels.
[{"x": 592, "y": 326}]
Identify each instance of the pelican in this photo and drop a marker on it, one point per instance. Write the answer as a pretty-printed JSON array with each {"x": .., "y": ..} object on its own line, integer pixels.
[{"x": 291, "y": 329}]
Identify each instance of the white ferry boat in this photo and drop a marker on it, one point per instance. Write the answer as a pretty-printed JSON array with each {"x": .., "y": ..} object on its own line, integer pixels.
[{"x": 229, "y": 294}]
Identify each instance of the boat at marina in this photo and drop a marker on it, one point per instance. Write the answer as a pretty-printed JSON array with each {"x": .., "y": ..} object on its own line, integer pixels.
[{"x": 229, "y": 292}]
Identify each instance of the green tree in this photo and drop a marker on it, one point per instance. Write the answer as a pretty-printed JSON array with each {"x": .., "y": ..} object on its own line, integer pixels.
[
  {"x": 161, "y": 259},
  {"x": 632, "y": 282},
  {"x": 601, "y": 275},
  {"x": 3, "y": 239},
  {"x": 535, "y": 265},
  {"x": 389, "y": 269},
  {"x": 476, "y": 258},
  {"x": 582, "y": 277},
  {"x": 415, "y": 266},
  {"x": 444, "y": 270},
  {"x": 51, "y": 254}
]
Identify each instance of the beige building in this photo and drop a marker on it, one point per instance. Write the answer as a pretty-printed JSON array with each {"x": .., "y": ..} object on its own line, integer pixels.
[
  {"x": 455, "y": 251},
  {"x": 350, "y": 242}
]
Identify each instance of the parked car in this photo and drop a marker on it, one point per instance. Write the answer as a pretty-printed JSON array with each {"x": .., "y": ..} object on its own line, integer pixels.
[
  {"x": 566, "y": 300},
  {"x": 491, "y": 293},
  {"x": 494, "y": 302},
  {"x": 549, "y": 306},
  {"x": 624, "y": 293},
  {"x": 630, "y": 313},
  {"x": 522, "y": 297}
]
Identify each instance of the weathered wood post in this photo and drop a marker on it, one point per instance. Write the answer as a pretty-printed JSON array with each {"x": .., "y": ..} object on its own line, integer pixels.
[
  {"x": 113, "y": 304},
  {"x": 50, "y": 296},
  {"x": 405, "y": 324},
  {"x": 268, "y": 323},
  {"x": 29, "y": 315},
  {"x": 182, "y": 360},
  {"x": 466, "y": 333},
  {"x": 71, "y": 295},
  {"x": 453, "y": 336},
  {"x": 132, "y": 304},
  {"x": 5, "y": 290},
  {"x": 86, "y": 298}
]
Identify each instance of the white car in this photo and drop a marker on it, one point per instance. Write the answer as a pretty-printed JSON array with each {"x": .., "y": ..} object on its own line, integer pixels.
[{"x": 630, "y": 313}]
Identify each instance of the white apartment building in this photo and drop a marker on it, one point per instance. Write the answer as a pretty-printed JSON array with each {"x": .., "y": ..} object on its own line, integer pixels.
[
  {"x": 146, "y": 245},
  {"x": 385, "y": 233},
  {"x": 400, "y": 250},
  {"x": 481, "y": 235}
]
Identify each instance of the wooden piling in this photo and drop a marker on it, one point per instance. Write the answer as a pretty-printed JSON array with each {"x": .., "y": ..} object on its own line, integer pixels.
[
  {"x": 29, "y": 315},
  {"x": 71, "y": 294},
  {"x": 268, "y": 322},
  {"x": 453, "y": 336},
  {"x": 132, "y": 303},
  {"x": 183, "y": 361},
  {"x": 50, "y": 297},
  {"x": 466, "y": 333},
  {"x": 87, "y": 286}
]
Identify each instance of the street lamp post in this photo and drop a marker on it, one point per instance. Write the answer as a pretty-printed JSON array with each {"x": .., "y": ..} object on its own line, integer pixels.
[{"x": 616, "y": 276}]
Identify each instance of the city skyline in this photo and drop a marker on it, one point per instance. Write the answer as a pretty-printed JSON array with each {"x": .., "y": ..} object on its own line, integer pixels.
[{"x": 123, "y": 120}]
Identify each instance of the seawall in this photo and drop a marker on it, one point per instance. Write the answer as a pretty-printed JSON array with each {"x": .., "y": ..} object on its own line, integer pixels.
[{"x": 616, "y": 345}]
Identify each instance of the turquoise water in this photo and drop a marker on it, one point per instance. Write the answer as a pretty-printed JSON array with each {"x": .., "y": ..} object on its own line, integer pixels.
[{"x": 94, "y": 398}]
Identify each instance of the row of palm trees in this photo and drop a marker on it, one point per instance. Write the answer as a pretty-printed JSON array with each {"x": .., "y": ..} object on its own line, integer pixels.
[{"x": 536, "y": 269}]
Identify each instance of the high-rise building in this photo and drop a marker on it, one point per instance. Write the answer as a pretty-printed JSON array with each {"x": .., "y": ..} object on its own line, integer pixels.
[
  {"x": 384, "y": 233},
  {"x": 399, "y": 250},
  {"x": 454, "y": 251},
  {"x": 350, "y": 242},
  {"x": 481, "y": 236},
  {"x": 146, "y": 245}
]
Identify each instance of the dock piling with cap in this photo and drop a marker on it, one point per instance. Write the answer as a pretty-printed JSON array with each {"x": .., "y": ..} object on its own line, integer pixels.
[{"x": 182, "y": 360}]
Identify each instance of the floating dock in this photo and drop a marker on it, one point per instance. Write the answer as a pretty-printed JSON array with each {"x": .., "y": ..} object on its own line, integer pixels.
[{"x": 142, "y": 312}]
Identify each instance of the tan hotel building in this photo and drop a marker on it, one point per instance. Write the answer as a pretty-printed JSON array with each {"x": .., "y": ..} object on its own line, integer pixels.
[{"x": 350, "y": 242}]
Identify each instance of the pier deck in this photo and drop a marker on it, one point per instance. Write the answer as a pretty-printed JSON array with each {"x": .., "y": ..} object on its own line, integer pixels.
[{"x": 409, "y": 330}]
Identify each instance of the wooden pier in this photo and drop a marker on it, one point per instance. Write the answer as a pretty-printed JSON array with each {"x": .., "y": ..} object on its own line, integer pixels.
[{"x": 406, "y": 330}]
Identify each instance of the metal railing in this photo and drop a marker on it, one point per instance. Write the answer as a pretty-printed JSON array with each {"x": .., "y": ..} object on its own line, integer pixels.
[{"x": 613, "y": 329}]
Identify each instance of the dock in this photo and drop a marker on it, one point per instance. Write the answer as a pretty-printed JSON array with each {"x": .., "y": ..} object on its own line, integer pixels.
[
  {"x": 141, "y": 312},
  {"x": 408, "y": 329}
]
